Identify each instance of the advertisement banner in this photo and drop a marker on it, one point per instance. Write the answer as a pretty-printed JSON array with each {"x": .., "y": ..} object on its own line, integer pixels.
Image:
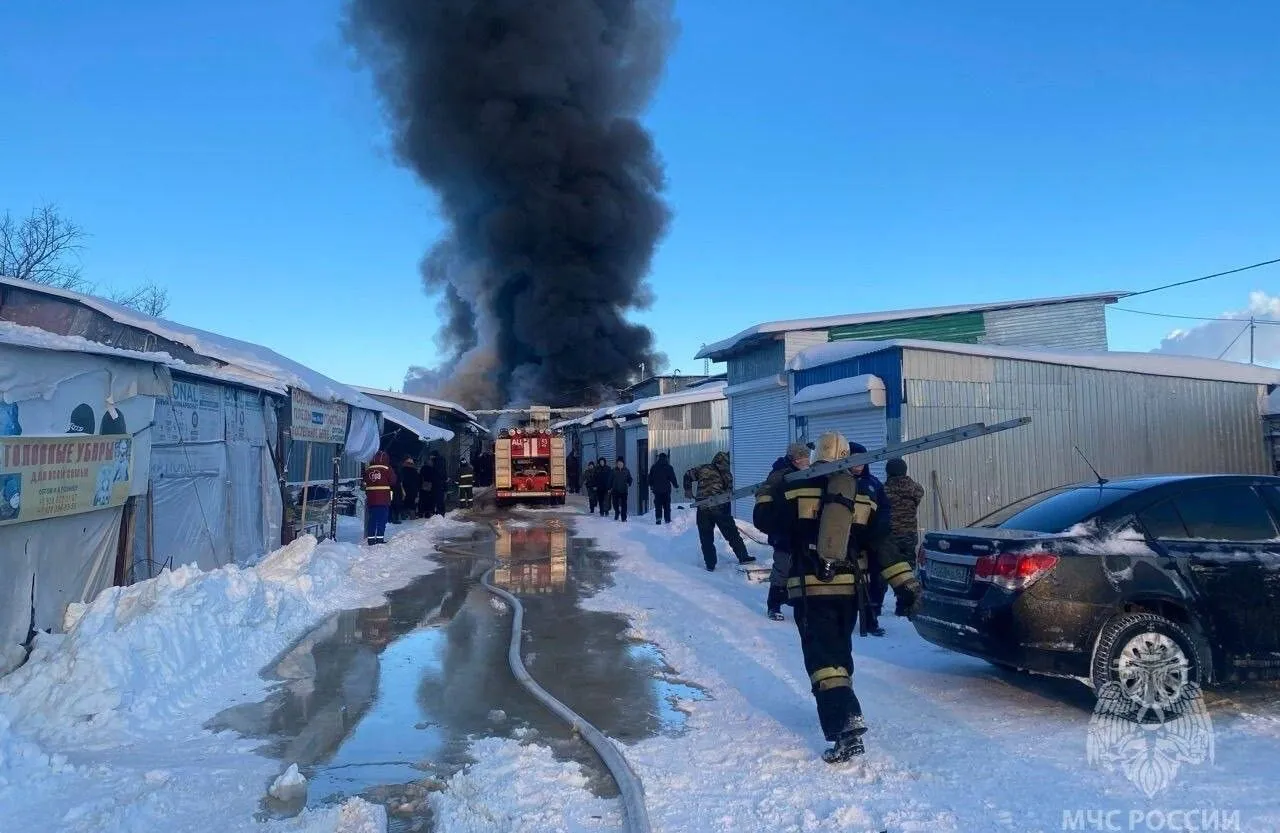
[
  {"x": 48, "y": 477},
  {"x": 318, "y": 422},
  {"x": 193, "y": 414}
]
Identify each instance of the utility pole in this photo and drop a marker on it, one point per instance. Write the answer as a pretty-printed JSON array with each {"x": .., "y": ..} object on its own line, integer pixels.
[{"x": 1253, "y": 324}]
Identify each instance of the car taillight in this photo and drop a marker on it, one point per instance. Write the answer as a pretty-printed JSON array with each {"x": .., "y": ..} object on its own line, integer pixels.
[{"x": 1014, "y": 570}]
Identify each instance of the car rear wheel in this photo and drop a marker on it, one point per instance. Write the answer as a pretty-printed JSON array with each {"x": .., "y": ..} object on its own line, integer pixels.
[{"x": 1148, "y": 660}]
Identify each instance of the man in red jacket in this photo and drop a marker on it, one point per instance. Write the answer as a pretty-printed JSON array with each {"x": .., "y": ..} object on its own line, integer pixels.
[{"x": 379, "y": 483}]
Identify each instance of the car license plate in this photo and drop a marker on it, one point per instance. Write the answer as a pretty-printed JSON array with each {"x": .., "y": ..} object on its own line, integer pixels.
[{"x": 950, "y": 573}]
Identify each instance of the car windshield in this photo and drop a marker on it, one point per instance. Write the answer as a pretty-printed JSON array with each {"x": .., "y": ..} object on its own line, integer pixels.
[{"x": 1056, "y": 510}]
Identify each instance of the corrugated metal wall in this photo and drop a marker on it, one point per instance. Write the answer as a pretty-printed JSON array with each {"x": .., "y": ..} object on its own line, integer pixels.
[
  {"x": 690, "y": 447},
  {"x": 1081, "y": 325},
  {"x": 1126, "y": 423},
  {"x": 798, "y": 340},
  {"x": 765, "y": 360}
]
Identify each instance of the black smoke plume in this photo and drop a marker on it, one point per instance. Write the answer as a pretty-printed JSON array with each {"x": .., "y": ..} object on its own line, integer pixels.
[{"x": 523, "y": 116}]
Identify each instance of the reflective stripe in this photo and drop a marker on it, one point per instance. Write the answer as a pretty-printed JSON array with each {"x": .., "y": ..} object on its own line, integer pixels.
[
  {"x": 810, "y": 580},
  {"x": 807, "y": 508},
  {"x": 377, "y": 488},
  {"x": 379, "y": 466},
  {"x": 894, "y": 570},
  {"x": 764, "y": 498},
  {"x": 827, "y": 685},
  {"x": 803, "y": 491},
  {"x": 816, "y": 588},
  {"x": 827, "y": 673},
  {"x": 865, "y": 508}
]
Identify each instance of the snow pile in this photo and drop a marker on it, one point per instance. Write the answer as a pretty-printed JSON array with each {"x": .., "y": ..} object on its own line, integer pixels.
[
  {"x": 290, "y": 786},
  {"x": 515, "y": 788},
  {"x": 128, "y": 689}
]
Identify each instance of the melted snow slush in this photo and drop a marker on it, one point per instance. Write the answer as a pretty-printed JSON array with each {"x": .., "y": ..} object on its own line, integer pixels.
[{"x": 384, "y": 702}]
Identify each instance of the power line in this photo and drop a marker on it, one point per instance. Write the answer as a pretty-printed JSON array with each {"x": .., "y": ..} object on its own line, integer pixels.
[
  {"x": 1187, "y": 317},
  {"x": 1205, "y": 277},
  {"x": 1248, "y": 326}
]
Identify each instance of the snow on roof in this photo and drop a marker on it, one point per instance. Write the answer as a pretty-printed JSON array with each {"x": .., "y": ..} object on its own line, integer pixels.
[
  {"x": 714, "y": 351},
  {"x": 1154, "y": 364},
  {"x": 20, "y": 335},
  {"x": 442, "y": 404},
  {"x": 425, "y": 430},
  {"x": 688, "y": 396},
  {"x": 261, "y": 362},
  {"x": 852, "y": 386}
]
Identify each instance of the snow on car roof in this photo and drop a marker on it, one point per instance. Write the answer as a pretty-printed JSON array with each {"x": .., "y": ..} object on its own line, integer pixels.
[
  {"x": 714, "y": 351},
  {"x": 1154, "y": 364}
]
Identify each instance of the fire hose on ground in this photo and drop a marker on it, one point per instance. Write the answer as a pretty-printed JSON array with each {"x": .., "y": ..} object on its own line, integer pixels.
[{"x": 635, "y": 814}]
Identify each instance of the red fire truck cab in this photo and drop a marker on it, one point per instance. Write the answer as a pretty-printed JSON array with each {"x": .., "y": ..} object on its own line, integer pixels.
[{"x": 529, "y": 467}]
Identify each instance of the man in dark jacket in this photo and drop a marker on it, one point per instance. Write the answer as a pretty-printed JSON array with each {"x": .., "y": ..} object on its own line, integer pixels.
[
  {"x": 410, "y": 485},
  {"x": 603, "y": 484},
  {"x": 426, "y": 493},
  {"x": 662, "y": 479},
  {"x": 379, "y": 484},
  {"x": 715, "y": 479},
  {"x": 589, "y": 485},
  {"x": 619, "y": 487},
  {"x": 769, "y": 517},
  {"x": 439, "y": 482},
  {"x": 905, "y": 495}
]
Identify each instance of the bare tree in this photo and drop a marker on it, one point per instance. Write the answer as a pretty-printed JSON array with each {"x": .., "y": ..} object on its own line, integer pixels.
[
  {"x": 43, "y": 248},
  {"x": 149, "y": 299}
]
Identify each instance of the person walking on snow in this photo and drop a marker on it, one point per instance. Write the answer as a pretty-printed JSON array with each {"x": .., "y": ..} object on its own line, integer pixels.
[
  {"x": 410, "y": 486},
  {"x": 439, "y": 483},
  {"x": 620, "y": 486},
  {"x": 904, "y": 495},
  {"x": 603, "y": 484},
  {"x": 379, "y": 482},
  {"x": 769, "y": 517},
  {"x": 662, "y": 479},
  {"x": 711, "y": 480},
  {"x": 589, "y": 484},
  {"x": 830, "y": 519}
]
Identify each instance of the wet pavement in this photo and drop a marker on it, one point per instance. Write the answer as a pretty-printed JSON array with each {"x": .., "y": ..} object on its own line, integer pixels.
[{"x": 383, "y": 702}]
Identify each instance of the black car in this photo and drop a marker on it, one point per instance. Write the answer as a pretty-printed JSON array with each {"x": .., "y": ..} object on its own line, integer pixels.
[{"x": 1147, "y": 583}]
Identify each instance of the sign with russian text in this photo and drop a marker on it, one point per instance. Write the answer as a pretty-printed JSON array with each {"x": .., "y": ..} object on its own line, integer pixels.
[
  {"x": 318, "y": 422},
  {"x": 49, "y": 477}
]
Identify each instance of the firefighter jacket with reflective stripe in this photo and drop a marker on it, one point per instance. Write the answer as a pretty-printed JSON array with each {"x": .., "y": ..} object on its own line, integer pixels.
[
  {"x": 805, "y": 502},
  {"x": 379, "y": 480}
]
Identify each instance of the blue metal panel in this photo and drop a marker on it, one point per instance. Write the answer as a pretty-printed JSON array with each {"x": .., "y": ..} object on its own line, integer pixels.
[{"x": 887, "y": 364}]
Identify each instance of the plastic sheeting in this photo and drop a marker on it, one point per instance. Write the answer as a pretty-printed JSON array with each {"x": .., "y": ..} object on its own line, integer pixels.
[
  {"x": 214, "y": 492},
  {"x": 363, "y": 436},
  {"x": 72, "y": 559}
]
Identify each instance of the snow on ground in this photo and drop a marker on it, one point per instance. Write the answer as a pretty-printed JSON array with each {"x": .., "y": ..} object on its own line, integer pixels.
[
  {"x": 955, "y": 744},
  {"x": 103, "y": 728},
  {"x": 520, "y": 788}
]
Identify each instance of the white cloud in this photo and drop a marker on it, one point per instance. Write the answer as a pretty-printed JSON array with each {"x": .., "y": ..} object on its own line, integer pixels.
[{"x": 1211, "y": 338}]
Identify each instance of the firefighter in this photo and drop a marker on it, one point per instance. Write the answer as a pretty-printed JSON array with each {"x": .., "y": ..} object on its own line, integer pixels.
[
  {"x": 768, "y": 518},
  {"x": 715, "y": 479},
  {"x": 379, "y": 483},
  {"x": 466, "y": 484},
  {"x": 829, "y": 519}
]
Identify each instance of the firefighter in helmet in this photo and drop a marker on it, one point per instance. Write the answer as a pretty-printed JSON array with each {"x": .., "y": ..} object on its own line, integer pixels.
[{"x": 830, "y": 519}]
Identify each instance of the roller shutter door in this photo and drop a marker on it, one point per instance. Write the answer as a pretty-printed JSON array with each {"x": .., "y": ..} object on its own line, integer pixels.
[
  {"x": 606, "y": 445},
  {"x": 865, "y": 426},
  {"x": 760, "y": 434}
]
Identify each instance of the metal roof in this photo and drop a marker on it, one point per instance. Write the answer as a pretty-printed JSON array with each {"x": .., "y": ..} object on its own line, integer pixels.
[{"x": 721, "y": 349}]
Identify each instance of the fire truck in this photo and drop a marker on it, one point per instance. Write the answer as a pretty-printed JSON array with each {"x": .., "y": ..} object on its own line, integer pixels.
[{"x": 529, "y": 467}]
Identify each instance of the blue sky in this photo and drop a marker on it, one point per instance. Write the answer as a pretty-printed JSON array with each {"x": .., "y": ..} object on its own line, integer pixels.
[{"x": 825, "y": 156}]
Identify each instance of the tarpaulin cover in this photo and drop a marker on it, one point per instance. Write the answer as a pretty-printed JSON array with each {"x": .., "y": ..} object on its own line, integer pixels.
[
  {"x": 363, "y": 438},
  {"x": 55, "y": 393},
  {"x": 72, "y": 559}
]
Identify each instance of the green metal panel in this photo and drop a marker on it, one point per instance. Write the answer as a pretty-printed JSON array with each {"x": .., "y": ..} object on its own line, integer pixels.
[{"x": 961, "y": 328}]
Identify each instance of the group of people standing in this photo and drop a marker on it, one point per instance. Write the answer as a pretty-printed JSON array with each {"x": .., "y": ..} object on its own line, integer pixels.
[
  {"x": 608, "y": 487},
  {"x": 395, "y": 494}
]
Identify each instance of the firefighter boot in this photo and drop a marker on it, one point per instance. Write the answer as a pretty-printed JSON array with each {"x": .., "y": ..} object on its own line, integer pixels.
[{"x": 848, "y": 744}]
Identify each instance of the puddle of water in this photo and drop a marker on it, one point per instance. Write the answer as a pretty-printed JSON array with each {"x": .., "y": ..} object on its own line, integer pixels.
[{"x": 383, "y": 702}]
